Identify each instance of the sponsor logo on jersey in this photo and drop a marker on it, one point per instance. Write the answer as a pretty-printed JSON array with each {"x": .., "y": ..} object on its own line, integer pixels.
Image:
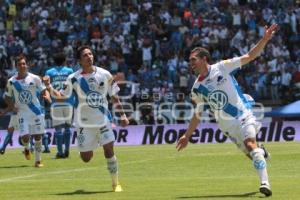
[
  {"x": 25, "y": 97},
  {"x": 94, "y": 99},
  {"x": 217, "y": 99}
]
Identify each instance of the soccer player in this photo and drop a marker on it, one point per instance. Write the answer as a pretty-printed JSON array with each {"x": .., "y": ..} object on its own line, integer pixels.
[
  {"x": 91, "y": 85},
  {"x": 217, "y": 87},
  {"x": 61, "y": 111},
  {"x": 22, "y": 90}
]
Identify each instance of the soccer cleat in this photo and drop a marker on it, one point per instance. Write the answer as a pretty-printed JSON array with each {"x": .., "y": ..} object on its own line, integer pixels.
[
  {"x": 2, "y": 151},
  {"x": 38, "y": 164},
  {"x": 265, "y": 189},
  {"x": 46, "y": 151},
  {"x": 117, "y": 188},
  {"x": 267, "y": 155},
  {"x": 67, "y": 153},
  {"x": 59, "y": 156},
  {"x": 27, "y": 154}
]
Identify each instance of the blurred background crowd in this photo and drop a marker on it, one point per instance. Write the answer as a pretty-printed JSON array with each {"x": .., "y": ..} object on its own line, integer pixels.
[{"x": 148, "y": 42}]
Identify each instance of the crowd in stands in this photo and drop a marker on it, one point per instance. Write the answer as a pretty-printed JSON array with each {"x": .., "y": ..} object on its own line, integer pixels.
[{"x": 148, "y": 42}]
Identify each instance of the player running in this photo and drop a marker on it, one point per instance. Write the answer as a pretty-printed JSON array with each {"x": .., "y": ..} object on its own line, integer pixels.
[
  {"x": 217, "y": 87},
  {"x": 21, "y": 93},
  {"x": 91, "y": 85}
]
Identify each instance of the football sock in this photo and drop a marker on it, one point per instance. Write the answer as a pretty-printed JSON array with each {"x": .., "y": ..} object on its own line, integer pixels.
[
  {"x": 7, "y": 140},
  {"x": 59, "y": 140},
  {"x": 26, "y": 144},
  {"x": 67, "y": 138},
  {"x": 112, "y": 166},
  {"x": 260, "y": 164},
  {"x": 38, "y": 150},
  {"x": 46, "y": 141}
]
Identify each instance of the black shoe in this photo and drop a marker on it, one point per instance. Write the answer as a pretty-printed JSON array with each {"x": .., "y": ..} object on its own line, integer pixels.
[
  {"x": 66, "y": 154},
  {"x": 2, "y": 151},
  {"x": 59, "y": 156},
  {"x": 265, "y": 189},
  {"x": 46, "y": 151}
]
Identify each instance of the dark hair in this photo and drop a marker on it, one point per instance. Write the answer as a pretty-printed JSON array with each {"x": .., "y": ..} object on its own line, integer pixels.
[
  {"x": 59, "y": 58},
  {"x": 19, "y": 58},
  {"x": 80, "y": 49},
  {"x": 201, "y": 52}
]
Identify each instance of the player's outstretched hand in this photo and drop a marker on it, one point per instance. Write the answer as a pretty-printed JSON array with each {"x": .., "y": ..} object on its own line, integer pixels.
[
  {"x": 270, "y": 31},
  {"x": 182, "y": 143}
]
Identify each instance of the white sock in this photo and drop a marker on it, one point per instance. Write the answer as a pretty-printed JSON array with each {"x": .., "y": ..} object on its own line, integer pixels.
[
  {"x": 38, "y": 150},
  {"x": 260, "y": 165},
  {"x": 112, "y": 166}
]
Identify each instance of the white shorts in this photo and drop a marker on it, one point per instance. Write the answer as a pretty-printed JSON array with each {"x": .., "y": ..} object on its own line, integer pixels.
[
  {"x": 32, "y": 125},
  {"x": 240, "y": 132},
  {"x": 61, "y": 115},
  {"x": 13, "y": 122},
  {"x": 90, "y": 138}
]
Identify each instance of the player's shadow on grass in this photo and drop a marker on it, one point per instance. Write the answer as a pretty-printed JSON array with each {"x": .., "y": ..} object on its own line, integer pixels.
[
  {"x": 14, "y": 166},
  {"x": 249, "y": 194},
  {"x": 83, "y": 192}
]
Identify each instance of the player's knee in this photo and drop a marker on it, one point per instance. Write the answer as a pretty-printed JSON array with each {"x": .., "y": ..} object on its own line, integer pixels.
[
  {"x": 58, "y": 130},
  {"x": 86, "y": 156},
  {"x": 250, "y": 144},
  {"x": 25, "y": 139},
  {"x": 10, "y": 130}
]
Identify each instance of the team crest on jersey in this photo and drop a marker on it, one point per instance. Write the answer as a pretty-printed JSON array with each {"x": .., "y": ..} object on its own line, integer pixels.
[
  {"x": 25, "y": 97},
  {"x": 94, "y": 99},
  {"x": 218, "y": 99},
  {"x": 220, "y": 80}
]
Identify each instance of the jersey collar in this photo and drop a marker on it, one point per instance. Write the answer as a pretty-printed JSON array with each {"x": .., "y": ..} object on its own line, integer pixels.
[{"x": 201, "y": 78}]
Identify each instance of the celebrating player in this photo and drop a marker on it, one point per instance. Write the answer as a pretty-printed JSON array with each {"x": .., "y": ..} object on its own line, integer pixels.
[
  {"x": 22, "y": 90},
  {"x": 217, "y": 87},
  {"x": 91, "y": 86}
]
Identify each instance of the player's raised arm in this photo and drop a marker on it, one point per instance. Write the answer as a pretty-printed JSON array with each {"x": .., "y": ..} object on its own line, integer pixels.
[
  {"x": 56, "y": 94},
  {"x": 257, "y": 49}
]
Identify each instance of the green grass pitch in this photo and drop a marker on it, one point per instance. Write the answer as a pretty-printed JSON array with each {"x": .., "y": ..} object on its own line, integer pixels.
[{"x": 158, "y": 172}]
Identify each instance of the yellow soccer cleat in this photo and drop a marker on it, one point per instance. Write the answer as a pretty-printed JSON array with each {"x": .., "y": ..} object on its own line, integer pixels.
[
  {"x": 38, "y": 164},
  {"x": 117, "y": 188},
  {"x": 27, "y": 154}
]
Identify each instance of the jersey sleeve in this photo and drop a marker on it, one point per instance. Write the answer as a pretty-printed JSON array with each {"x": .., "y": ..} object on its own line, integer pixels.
[
  {"x": 113, "y": 87},
  {"x": 68, "y": 87},
  {"x": 8, "y": 90},
  {"x": 198, "y": 100},
  {"x": 40, "y": 86},
  {"x": 230, "y": 65}
]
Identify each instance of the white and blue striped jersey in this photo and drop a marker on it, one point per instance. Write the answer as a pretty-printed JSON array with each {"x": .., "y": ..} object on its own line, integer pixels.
[
  {"x": 25, "y": 94},
  {"x": 90, "y": 91},
  {"x": 58, "y": 76},
  {"x": 220, "y": 91}
]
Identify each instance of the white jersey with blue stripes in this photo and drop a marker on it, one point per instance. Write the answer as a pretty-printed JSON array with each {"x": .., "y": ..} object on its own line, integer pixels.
[
  {"x": 25, "y": 94},
  {"x": 90, "y": 91},
  {"x": 220, "y": 92}
]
